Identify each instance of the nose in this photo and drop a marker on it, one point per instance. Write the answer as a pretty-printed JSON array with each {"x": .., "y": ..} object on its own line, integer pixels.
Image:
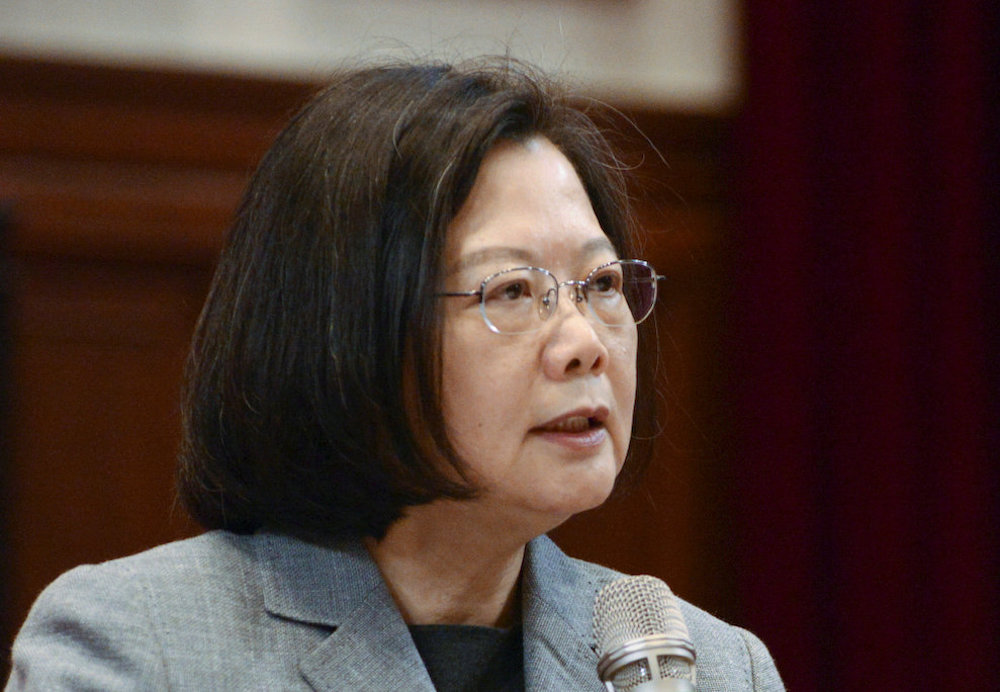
[{"x": 573, "y": 346}]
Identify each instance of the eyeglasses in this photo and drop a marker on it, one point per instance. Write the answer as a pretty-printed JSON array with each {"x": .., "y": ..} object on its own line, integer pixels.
[{"x": 519, "y": 300}]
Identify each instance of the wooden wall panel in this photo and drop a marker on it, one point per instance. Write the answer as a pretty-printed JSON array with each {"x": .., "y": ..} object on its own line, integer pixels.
[
  {"x": 121, "y": 183},
  {"x": 98, "y": 349},
  {"x": 118, "y": 210}
]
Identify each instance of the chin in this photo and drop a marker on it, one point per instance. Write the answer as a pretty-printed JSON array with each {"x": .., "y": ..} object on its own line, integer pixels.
[{"x": 583, "y": 499}]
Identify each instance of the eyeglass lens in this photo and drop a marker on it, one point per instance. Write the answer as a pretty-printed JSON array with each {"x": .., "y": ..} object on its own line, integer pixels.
[{"x": 618, "y": 293}]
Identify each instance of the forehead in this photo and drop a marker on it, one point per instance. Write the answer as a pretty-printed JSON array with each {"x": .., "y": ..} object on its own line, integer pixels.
[{"x": 527, "y": 205}]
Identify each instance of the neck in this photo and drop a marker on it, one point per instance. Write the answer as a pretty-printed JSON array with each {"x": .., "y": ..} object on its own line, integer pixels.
[{"x": 444, "y": 567}]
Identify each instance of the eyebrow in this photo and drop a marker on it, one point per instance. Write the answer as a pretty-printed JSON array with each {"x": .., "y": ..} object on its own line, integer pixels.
[{"x": 493, "y": 254}]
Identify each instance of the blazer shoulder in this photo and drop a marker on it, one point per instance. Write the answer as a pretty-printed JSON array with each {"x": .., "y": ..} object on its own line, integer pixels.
[
  {"x": 215, "y": 550},
  {"x": 89, "y": 629},
  {"x": 729, "y": 657},
  {"x": 100, "y": 626}
]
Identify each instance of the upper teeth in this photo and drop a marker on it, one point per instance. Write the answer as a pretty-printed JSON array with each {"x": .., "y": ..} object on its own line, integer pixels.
[{"x": 573, "y": 424}]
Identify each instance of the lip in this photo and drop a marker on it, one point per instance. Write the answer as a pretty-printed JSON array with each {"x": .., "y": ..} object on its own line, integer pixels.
[{"x": 593, "y": 435}]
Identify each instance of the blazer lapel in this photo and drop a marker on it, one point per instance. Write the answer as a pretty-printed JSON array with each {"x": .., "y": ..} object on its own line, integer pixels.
[
  {"x": 369, "y": 651},
  {"x": 370, "y": 647},
  {"x": 557, "y": 603}
]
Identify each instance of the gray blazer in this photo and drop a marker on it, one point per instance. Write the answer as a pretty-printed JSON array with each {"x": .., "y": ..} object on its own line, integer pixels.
[{"x": 268, "y": 612}]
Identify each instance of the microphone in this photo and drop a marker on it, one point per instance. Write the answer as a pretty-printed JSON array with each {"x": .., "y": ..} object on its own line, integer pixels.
[{"x": 642, "y": 640}]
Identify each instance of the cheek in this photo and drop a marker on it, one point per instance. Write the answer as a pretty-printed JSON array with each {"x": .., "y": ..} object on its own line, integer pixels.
[
  {"x": 623, "y": 381},
  {"x": 623, "y": 354},
  {"x": 474, "y": 383}
]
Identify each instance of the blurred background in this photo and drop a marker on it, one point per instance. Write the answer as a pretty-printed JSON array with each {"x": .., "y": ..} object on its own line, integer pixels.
[{"x": 818, "y": 181}]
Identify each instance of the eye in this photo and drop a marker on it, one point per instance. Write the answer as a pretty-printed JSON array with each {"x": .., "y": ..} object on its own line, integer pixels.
[
  {"x": 509, "y": 290},
  {"x": 607, "y": 281},
  {"x": 513, "y": 290}
]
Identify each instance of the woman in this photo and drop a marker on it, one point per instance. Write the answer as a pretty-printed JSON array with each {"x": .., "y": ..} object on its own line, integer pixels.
[{"x": 420, "y": 352}]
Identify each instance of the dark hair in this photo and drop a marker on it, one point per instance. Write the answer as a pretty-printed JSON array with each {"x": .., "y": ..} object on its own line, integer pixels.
[{"x": 294, "y": 413}]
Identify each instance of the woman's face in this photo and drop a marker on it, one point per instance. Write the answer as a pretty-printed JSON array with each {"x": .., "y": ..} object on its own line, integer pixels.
[{"x": 543, "y": 419}]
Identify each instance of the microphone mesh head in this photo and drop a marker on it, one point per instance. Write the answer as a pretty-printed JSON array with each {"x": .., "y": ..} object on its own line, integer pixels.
[
  {"x": 635, "y": 607},
  {"x": 630, "y": 609}
]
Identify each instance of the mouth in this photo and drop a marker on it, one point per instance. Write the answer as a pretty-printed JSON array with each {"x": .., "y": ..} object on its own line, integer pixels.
[
  {"x": 572, "y": 424},
  {"x": 580, "y": 428}
]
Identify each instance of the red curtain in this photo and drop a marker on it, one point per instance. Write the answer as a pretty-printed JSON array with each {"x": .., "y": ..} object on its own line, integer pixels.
[{"x": 865, "y": 281}]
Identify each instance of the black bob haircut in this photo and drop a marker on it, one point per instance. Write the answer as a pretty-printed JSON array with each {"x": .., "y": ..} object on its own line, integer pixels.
[{"x": 295, "y": 416}]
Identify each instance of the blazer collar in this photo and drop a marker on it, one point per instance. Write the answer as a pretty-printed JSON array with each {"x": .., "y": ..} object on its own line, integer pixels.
[
  {"x": 341, "y": 588},
  {"x": 557, "y": 605},
  {"x": 370, "y": 646}
]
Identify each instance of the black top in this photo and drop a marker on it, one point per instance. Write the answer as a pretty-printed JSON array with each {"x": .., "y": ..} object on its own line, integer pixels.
[{"x": 466, "y": 658}]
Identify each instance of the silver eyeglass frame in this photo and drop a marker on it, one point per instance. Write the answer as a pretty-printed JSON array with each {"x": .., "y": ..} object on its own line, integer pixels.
[{"x": 579, "y": 295}]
